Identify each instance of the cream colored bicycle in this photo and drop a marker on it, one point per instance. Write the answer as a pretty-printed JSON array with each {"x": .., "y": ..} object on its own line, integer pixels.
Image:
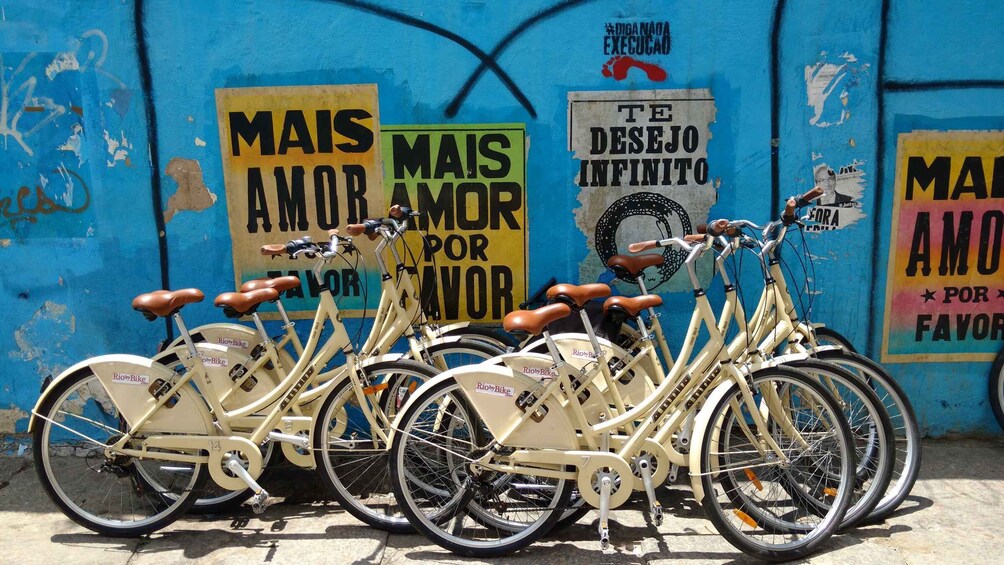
[
  {"x": 485, "y": 457},
  {"x": 122, "y": 444}
]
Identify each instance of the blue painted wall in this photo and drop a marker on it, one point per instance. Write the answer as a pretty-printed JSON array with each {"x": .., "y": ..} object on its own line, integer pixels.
[{"x": 68, "y": 273}]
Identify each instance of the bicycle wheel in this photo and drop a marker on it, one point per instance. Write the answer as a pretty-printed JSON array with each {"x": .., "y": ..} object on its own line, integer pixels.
[
  {"x": 828, "y": 336},
  {"x": 484, "y": 514},
  {"x": 749, "y": 491},
  {"x": 350, "y": 452},
  {"x": 113, "y": 496},
  {"x": 906, "y": 467},
  {"x": 997, "y": 387},
  {"x": 495, "y": 338},
  {"x": 872, "y": 428}
]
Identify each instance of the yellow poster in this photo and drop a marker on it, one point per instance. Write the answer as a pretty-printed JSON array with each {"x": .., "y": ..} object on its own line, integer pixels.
[
  {"x": 298, "y": 161},
  {"x": 945, "y": 293},
  {"x": 469, "y": 184}
]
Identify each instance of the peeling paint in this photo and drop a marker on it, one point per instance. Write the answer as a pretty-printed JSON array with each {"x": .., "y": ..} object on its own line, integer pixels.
[
  {"x": 62, "y": 62},
  {"x": 826, "y": 77},
  {"x": 4, "y": 242},
  {"x": 199, "y": 142},
  {"x": 74, "y": 143},
  {"x": 9, "y": 418},
  {"x": 117, "y": 148},
  {"x": 193, "y": 194},
  {"x": 41, "y": 338}
]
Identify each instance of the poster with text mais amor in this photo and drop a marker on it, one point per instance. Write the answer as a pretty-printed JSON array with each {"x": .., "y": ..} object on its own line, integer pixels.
[
  {"x": 299, "y": 161},
  {"x": 945, "y": 290}
]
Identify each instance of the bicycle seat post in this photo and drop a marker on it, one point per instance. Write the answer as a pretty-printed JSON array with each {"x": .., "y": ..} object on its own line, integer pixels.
[{"x": 185, "y": 334}]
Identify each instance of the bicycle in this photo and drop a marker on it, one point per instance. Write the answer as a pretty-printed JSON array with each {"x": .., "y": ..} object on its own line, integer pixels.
[
  {"x": 97, "y": 434},
  {"x": 471, "y": 429}
]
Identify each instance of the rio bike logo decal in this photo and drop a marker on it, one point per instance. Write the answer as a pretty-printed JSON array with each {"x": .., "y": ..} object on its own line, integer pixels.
[
  {"x": 495, "y": 390},
  {"x": 215, "y": 361},
  {"x": 233, "y": 342},
  {"x": 539, "y": 372},
  {"x": 583, "y": 354},
  {"x": 130, "y": 379}
]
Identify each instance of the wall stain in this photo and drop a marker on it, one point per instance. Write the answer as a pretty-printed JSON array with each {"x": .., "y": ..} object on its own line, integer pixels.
[
  {"x": 41, "y": 338},
  {"x": 9, "y": 418},
  {"x": 193, "y": 194}
]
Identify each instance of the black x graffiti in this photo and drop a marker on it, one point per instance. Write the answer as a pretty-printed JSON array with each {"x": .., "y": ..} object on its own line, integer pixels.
[{"x": 487, "y": 60}]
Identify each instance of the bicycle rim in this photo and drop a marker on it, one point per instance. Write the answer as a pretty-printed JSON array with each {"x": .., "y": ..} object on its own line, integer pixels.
[{"x": 113, "y": 496}]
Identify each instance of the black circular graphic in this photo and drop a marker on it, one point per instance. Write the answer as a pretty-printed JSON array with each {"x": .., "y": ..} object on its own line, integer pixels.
[{"x": 667, "y": 214}]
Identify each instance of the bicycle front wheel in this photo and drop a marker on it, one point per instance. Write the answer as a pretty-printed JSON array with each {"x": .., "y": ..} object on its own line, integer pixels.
[
  {"x": 113, "y": 495},
  {"x": 350, "y": 447},
  {"x": 777, "y": 506},
  {"x": 483, "y": 514},
  {"x": 872, "y": 430},
  {"x": 906, "y": 468}
]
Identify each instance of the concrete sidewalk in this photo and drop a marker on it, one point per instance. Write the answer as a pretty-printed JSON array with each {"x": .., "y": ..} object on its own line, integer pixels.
[{"x": 954, "y": 515}]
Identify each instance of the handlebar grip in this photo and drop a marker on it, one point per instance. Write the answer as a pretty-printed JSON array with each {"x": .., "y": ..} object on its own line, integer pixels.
[
  {"x": 355, "y": 229},
  {"x": 273, "y": 249},
  {"x": 642, "y": 246},
  {"x": 789, "y": 208},
  {"x": 396, "y": 212},
  {"x": 717, "y": 227},
  {"x": 695, "y": 238},
  {"x": 702, "y": 228},
  {"x": 808, "y": 197},
  {"x": 813, "y": 193}
]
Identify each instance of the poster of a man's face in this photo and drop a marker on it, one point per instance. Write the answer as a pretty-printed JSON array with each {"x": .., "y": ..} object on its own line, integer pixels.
[{"x": 826, "y": 179}]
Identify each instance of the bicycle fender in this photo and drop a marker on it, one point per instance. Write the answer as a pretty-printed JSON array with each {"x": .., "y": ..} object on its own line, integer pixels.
[
  {"x": 443, "y": 330},
  {"x": 128, "y": 380},
  {"x": 701, "y": 423}
]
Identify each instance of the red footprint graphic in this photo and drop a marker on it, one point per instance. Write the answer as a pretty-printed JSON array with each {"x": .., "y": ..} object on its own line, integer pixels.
[{"x": 618, "y": 67}]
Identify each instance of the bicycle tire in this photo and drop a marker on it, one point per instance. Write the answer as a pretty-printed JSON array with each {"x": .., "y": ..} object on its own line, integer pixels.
[
  {"x": 997, "y": 387},
  {"x": 799, "y": 535},
  {"x": 360, "y": 482},
  {"x": 830, "y": 336},
  {"x": 90, "y": 469},
  {"x": 433, "y": 494},
  {"x": 906, "y": 468}
]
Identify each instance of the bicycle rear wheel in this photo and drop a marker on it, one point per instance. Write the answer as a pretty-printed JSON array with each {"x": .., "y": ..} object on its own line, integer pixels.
[
  {"x": 112, "y": 495},
  {"x": 483, "y": 514},
  {"x": 760, "y": 502},
  {"x": 906, "y": 468},
  {"x": 348, "y": 449}
]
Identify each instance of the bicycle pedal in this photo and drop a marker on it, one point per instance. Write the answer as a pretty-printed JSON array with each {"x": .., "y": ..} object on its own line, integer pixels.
[
  {"x": 656, "y": 510},
  {"x": 604, "y": 538},
  {"x": 260, "y": 502}
]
